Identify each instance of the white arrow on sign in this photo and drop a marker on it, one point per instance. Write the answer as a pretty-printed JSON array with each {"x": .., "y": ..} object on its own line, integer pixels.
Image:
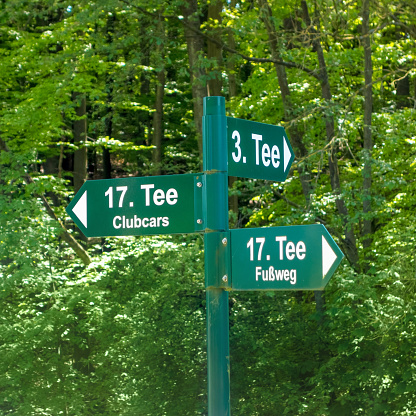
[
  {"x": 286, "y": 154},
  {"x": 328, "y": 257},
  {"x": 80, "y": 209}
]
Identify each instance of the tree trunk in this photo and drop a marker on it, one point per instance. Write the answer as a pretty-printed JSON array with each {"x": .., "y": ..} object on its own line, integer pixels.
[
  {"x": 214, "y": 51},
  {"x": 295, "y": 135},
  {"x": 403, "y": 91},
  {"x": 158, "y": 129},
  {"x": 350, "y": 245},
  {"x": 158, "y": 122},
  {"x": 80, "y": 138},
  {"x": 367, "y": 136},
  {"x": 51, "y": 167},
  {"x": 144, "y": 118},
  {"x": 231, "y": 59},
  {"x": 106, "y": 152},
  {"x": 109, "y": 116},
  {"x": 232, "y": 92},
  {"x": 195, "y": 47}
]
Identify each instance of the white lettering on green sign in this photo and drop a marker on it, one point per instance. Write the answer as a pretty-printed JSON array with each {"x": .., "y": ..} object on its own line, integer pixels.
[
  {"x": 157, "y": 196},
  {"x": 151, "y": 195},
  {"x": 271, "y": 274},
  {"x": 136, "y": 222},
  {"x": 267, "y": 155},
  {"x": 286, "y": 249}
]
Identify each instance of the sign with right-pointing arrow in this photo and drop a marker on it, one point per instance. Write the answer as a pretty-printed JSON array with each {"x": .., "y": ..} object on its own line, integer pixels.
[
  {"x": 300, "y": 257},
  {"x": 258, "y": 150}
]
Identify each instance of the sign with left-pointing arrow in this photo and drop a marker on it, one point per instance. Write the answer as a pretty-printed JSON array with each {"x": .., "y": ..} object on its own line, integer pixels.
[
  {"x": 300, "y": 257},
  {"x": 139, "y": 206}
]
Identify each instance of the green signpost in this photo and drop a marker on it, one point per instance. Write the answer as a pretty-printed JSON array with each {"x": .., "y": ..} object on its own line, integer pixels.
[
  {"x": 216, "y": 254},
  {"x": 274, "y": 258}
]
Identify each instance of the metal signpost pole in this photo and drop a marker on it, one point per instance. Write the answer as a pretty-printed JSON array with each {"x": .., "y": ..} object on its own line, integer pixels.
[{"x": 217, "y": 254}]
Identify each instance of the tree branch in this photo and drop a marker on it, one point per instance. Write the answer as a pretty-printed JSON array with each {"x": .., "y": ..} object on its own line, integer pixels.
[
  {"x": 406, "y": 28},
  {"x": 68, "y": 238},
  {"x": 223, "y": 46},
  {"x": 320, "y": 220}
]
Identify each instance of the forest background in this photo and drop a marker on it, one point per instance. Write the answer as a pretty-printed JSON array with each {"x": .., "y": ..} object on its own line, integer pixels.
[{"x": 113, "y": 88}]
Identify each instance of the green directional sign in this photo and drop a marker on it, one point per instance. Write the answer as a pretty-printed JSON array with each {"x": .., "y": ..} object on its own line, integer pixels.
[
  {"x": 139, "y": 206},
  {"x": 302, "y": 257},
  {"x": 258, "y": 150}
]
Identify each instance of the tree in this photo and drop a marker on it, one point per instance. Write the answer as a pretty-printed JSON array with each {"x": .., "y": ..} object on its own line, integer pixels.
[
  {"x": 195, "y": 45},
  {"x": 116, "y": 326},
  {"x": 158, "y": 114}
]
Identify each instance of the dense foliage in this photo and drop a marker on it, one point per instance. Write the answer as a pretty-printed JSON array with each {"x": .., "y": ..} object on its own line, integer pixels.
[{"x": 113, "y": 88}]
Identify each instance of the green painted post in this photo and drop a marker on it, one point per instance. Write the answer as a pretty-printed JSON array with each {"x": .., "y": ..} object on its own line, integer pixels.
[{"x": 217, "y": 242}]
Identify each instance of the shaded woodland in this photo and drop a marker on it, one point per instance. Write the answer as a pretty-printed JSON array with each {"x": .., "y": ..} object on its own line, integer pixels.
[{"x": 99, "y": 89}]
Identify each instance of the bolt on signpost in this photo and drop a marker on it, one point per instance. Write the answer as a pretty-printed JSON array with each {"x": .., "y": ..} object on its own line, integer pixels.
[{"x": 274, "y": 258}]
